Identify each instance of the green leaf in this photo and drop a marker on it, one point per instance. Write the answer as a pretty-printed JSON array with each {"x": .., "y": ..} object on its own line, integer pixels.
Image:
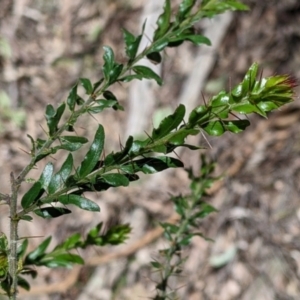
[
  {"x": 199, "y": 115},
  {"x": 46, "y": 175},
  {"x": 115, "y": 180},
  {"x": 94, "y": 153},
  {"x": 65, "y": 260},
  {"x": 160, "y": 45},
  {"x": 71, "y": 100},
  {"x": 87, "y": 85},
  {"x": 78, "y": 201},
  {"x": 151, "y": 165},
  {"x": 163, "y": 22},
  {"x": 51, "y": 212},
  {"x": 236, "y": 126},
  {"x": 38, "y": 252},
  {"x": 23, "y": 283},
  {"x": 128, "y": 78},
  {"x": 115, "y": 158},
  {"x": 59, "y": 179},
  {"x": 180, "y": 136},
  {"x": 32, "y": 195},
  {"x": 53, "y": 117},
  {"x": 71, "y": 143},
  {"x": 22, "y": 248},
  {"x": 184, "y": 10},
  {"x": 169, "y": 123},
  {"x": 109, "y": 60},
  {"x": 154, "y": 57},
  {"x": 147, "y": 73},
  {"x": 214, "y": 128},
  {"x": 198, "y": 39},
  {"x": 70, "y": 243},
  {"x": 132, "y": 44},
  {"x": 217, "y": 128},
  {"x": 26, "y": 218}
]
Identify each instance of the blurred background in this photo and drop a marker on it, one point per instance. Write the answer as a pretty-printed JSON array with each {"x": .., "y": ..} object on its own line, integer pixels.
[{"x": 45, "y": 46}]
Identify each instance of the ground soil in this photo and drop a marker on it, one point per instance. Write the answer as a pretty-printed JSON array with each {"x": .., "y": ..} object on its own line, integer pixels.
[{"x": 45, "y": 46}]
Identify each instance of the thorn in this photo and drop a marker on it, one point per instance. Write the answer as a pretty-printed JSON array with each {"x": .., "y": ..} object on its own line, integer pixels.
[
  {"x": 25, "y": 151},
  {"x": 206, "y": 139}
]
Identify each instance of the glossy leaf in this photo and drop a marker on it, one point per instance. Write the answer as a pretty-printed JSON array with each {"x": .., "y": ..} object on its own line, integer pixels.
[
  {"x": 51, "y": 212},
  {"x": 78, "y": 201},
  {"x": 154, "y": 57},
  {"x": 217, "y": 128},
  {"x": 93, "y": 154},
  {"x": 71, "y": 100},
  {"x": 32, "y": 195},
  {"x": 87, "y": 85},
  {"x": 46, "y": 175},
  {"x": 22, "y": 248},
  {"x": 115, "y": 180},
  {"x": 163, "y": 22},
  {"x": 109, "y": 61},
  {"x": 179, "y": 137},
  {"x": 71, "y": 143},
  {"x": 198, "y": 39},
  {"x": 169, "y": 123},
  {"x": 132, "y": 44},
  {"x": 185, "y": 8},
  {"x": 26, "y": 218},
  {"x": 65, "y": 260},
  {"x": 70, "y": 243},
  {"x": 115, "y": 158},
  {"x": 39, "y": 251},
  {"x": 199, "y": 115},
  {"x": 23, "y": 283},
  {"x": 151, "y": 165},
  {"x": 147, "y": 73},
  {"x": 53, "y": 117},
  {"x": 59, "y": 179}
]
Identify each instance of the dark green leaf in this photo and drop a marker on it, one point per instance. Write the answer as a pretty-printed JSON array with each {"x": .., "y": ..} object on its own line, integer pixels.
[
  {"x": 70, "y": 243},
  {"x": 128, "y": 78},
  {"x": 160, "y": 45},
  {"x": 151, "y": 165},
  {"x": 109, "y": 62},
  {"x": 115, "y": 73},
  {"x": 179, "y": 137},
  {"x": 51, "y": 212},
  {"x": 23, "y": 283},
  {"x": 199, "y": 115},
  {"x": 22, "y": 248},
  {"x": 115, "y": 158},
  {"x": 71, "y": 101},
  {"x": 87, "y": 85},
  {"x": 46, "y": 175},
  {"x": 184, "y": 9},
  {"x": 147, "y": 73},
  {"x": 163, "y": 22},
  {"x": 32, "y": 195},
  {"x": 71, "y": 143},
  {"x": 198, "y": 39},
  {"x": 169, "y": 123},
  {"x": 154, "y": 57},
  {"x": 26, "y": 218},
  {"x": 79, "y": 201},
  {"x": 59, "y": 179},
  {"x": 53, "y": 117},
  {"x": 61, "y": 260},
  {"x": 93, "y": 154},
  {"x": 115, "y": 179},
  {"x": 39, "y": 251},
  {"x": 156, "y": 264}
]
